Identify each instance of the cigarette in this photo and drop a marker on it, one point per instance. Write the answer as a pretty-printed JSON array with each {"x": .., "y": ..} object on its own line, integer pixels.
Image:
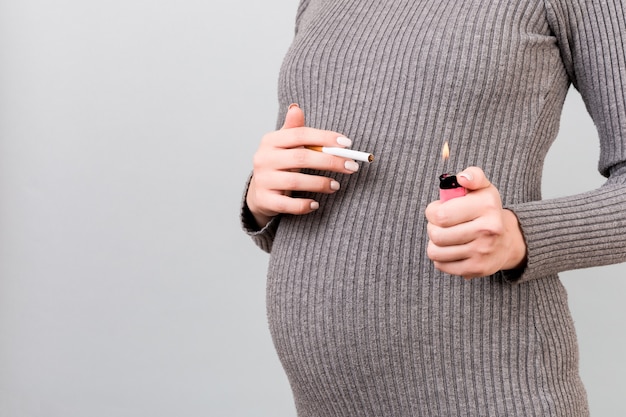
[{"x": 344, "y": 153}]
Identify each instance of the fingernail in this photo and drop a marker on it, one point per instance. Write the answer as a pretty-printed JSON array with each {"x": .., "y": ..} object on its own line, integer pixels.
[
  {"x": 292, "y": 105},
  {"x": 466, "y": 175},
  {"x": 315, "y": 205},
  {"x": 334, "y": 185},
  {"x": 351, "y": 166},
  {"x": 344, "y": 141}
]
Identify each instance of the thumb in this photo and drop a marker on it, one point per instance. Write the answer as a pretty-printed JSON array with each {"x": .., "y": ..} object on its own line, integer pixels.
[
  {"x": 473, "y": 178},
  {"x": 294, "y": 117}
]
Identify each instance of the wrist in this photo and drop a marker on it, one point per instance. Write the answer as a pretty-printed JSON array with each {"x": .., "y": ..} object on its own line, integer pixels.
[{"x": 518, "y": 250}]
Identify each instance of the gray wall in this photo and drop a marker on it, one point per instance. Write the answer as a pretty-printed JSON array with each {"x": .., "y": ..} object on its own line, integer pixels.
[{"x": 126, "y": 288}]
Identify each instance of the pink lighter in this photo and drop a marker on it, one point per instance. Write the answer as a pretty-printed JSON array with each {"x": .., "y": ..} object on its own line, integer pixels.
[{"x": 449, "y": 187}]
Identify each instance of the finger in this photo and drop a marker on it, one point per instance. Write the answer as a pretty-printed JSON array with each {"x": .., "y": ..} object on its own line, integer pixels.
[
  {"x": 476, "y": 258},
  {"x": 465, "y": 268},
  {"x": 301, "y": 158},
  {"x": 447, "y": 253},
  {"x": 451, "y": 236},
  {"x": 305, "y": 136},
  {"x": 280, "y": 203},
  {"x": 294, "y": 117},
  {"x": 456, "y": 261},
  {"x": 479, "y": 250},
  {"x": 453, "y": 212},
  {"x": 473, "y": 178},
  {"x": 432, "y": 212},
  {"x": 296, "y": 181},
  {"x": 474, "y": 205}
]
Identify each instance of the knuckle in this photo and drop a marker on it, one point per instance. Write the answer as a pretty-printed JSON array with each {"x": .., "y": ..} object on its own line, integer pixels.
[
  {"x": 261, "y": 179},
  {"x": 337, "y": 164},
  {"x": 440, "y": 217},
  {"x": 282, "y": 206},
  {"x": 428, "y": 212},
  {"x": 292, "y": 205},
  {"x": 491, "y": 197},
  {"x": 258, "y": 180},
  {"x": 431, "y": 251},
  {"x": 267, "y": 139},
  {"x": 291, "y": 182},
  {"x": 299, "y": 157},
  {"x": 493, "y": 228},
  {"x": 431, "y": 211},
  {"x": 490, "y": 224},
  {"x": 482, "y": 248},
  {"x": 257, "y": 160},
  {"x": 323, "y": 185},
  {"x": 434, "y": 233},
  {"x": 497, "y": 229},
  {"x": 304, "y": 207},
  {"x": 438, "y": 266}
]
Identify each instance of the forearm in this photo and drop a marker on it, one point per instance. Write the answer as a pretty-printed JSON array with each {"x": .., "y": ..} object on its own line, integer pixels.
[{"x": 574, "y": 232}]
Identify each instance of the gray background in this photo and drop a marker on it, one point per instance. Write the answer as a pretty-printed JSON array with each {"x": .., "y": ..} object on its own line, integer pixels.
[{"x": 127, "y": 129}]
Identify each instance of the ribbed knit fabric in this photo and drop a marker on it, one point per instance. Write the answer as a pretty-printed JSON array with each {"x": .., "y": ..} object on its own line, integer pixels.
[{"x": 362, "y": 322}]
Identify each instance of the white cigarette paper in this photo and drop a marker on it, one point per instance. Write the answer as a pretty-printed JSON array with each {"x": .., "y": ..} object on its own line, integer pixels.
[{"x": 344, "y": 153}]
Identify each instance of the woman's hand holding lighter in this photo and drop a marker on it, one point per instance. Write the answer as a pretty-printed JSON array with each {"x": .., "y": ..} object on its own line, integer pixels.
[
  {"x": 474, "y": 236},
  {"x": 277, "y": 164}
]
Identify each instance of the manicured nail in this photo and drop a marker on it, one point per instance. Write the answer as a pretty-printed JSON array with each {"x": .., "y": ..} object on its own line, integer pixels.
[
  {"x": 344, "y": 141},
  {"x": 292, "y": 105},
  {"x": 334, "y": 185},
  {"x": 466, "y": 175},
  {"x": 351, "y": 166},
  {"x": 315, "y": 205}
]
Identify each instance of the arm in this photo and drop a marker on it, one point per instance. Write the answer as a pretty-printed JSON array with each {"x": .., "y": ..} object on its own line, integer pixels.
[
  {"x": 588, "y": 229},
  {"x": 573, "y": 232}
]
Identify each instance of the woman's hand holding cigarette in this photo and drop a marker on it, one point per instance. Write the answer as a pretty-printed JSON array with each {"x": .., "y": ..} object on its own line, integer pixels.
[
  {"x": 277, "y": 164},
  {"x": 474, "y": 236}
]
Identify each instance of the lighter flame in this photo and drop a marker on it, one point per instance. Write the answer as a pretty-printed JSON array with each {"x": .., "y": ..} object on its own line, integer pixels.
[{"x": 445, "y": 152}]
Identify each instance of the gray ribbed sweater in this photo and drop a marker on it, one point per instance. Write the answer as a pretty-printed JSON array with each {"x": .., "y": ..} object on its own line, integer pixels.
[{"x": 362, "y": 322}]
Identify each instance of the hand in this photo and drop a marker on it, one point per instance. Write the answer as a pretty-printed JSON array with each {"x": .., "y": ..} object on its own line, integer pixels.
[
  {"x": 473, "y": 236},
  {"x": 277, "y": 164}
]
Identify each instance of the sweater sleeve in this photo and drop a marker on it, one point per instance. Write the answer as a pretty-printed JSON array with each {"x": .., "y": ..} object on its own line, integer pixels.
[
  {"x": 262, "y": 237},
  {"x": 588, "y": 229}
]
